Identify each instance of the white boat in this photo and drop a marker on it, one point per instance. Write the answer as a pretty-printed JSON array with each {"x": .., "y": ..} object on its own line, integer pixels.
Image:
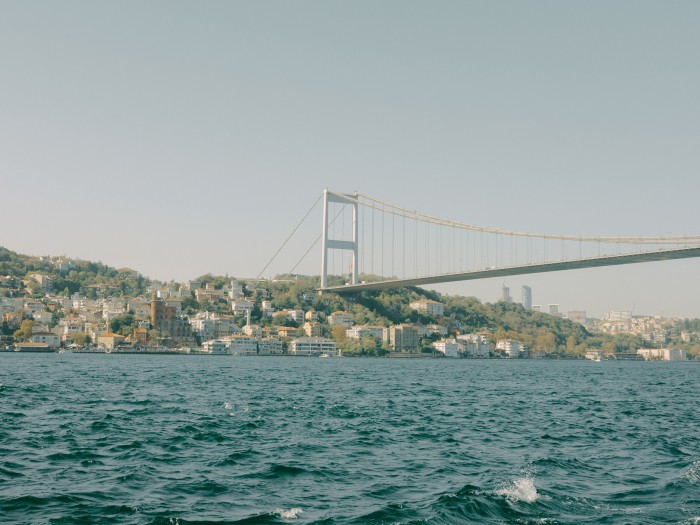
[{"x": 324, "y": 355}]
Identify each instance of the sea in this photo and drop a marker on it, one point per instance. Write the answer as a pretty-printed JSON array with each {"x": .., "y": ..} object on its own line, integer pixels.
[{"x": 163, "y": 439}]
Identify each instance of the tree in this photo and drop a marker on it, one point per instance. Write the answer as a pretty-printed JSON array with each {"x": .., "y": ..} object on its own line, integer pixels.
[
  {"x": 24, "y": 333},
  {"x": 81, "y": 338},
  {"x": 339, "y": 334}
]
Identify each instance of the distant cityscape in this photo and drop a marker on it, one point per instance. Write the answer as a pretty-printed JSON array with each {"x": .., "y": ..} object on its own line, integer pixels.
[{"x": 228, "y": 316}]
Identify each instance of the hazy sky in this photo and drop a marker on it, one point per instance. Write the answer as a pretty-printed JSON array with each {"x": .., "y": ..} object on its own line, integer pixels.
[{"x": 180, "y": 138}]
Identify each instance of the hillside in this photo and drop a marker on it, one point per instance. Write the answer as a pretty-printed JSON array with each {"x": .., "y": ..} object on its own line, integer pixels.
[{"x": 66, "y": 276}]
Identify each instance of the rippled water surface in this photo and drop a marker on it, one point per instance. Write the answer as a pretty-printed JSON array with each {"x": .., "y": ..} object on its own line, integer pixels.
[{"x": 204, "y": 439}]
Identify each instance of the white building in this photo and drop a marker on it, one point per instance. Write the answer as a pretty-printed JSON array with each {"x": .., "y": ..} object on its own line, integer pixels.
[
  {"x": 662, "y": 354},
  {"x": 341, "y": 319},
  {"x": 312, "y": 346},
  {"x": 253, "y": 330},
  {"x": 215, "y": 346},
  {"x": 448, "y": 347},
  {"x": 476, "y": 345},
  {"x": 242, "y": 345},
  {"x": 511, "y": 347},
  {"x": 428, "y": 330},
  {"x": 49, "y": 338},
  {"x": 270, "y": 346},
  {"x": 242, "y": 306},
  {"x": 296, "y": 316},
  {"x": 267, "y": 309},
  {"x": 357, "y": 332},
  {"x": 112, "y": 308},
  {"x": 428, "y": 307}
]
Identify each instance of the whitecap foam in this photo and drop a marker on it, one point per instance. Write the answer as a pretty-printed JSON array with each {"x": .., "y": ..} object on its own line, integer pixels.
[
  {"x": 289, "y": 514},
  {"x": 693, "y": 472},
  {"x": 521, "y": 489}
]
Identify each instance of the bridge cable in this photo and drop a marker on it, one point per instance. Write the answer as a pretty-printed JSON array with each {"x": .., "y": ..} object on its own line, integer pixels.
[
  {"x": 290, "y": 236},
  {"x": 312, "y": 245}
]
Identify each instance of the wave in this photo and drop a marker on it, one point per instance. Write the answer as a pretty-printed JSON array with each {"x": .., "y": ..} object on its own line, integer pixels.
[{"x": 521, "y": 489}]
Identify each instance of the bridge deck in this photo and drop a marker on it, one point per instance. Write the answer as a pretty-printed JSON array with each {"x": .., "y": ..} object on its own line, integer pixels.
[{"x": 594, "y": 262}]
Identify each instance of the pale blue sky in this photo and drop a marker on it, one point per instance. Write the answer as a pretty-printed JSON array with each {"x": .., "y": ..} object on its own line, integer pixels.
[{"x": 180, "y": 138}]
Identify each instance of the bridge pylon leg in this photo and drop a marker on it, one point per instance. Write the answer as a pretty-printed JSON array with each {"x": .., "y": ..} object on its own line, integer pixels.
[{"x": 339, "y": 244}]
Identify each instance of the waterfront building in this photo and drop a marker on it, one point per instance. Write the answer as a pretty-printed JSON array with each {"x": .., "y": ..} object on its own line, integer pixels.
[
  {"x": 510, "y": 347},
  {"x": 215, "y": 346},
  {"x": 448, "y": 347},
  {"x": 403, "y": 338},
  {"x": 312, "y": 346},
  {"x": 270, "y": 346},
  {"x": 109, "y": 341},
  {"x": 242, "y": 345},
  {"x": 594, "y": 355},
  {"x": 662, "y": 354},
  {"x": 165, "y": 320},
  {"x": 49, "y": 338},
  {"x": 476, "y": 345}
]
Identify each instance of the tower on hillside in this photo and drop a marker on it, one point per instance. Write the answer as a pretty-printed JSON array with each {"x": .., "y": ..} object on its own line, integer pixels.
[
  {"x": 505, "y": 294},
  {"x": 527, "y": 297}
]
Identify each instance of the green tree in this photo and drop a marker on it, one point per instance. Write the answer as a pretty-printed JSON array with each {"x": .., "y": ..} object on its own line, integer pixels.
[{"x": 24, "y": 333}]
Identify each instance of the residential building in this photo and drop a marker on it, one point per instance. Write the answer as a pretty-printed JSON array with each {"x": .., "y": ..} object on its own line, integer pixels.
[
  {"x": 432, "y": 329},
  {"x": 341, "y": 319},
  {"x": 313, "y": 329},
  {"x": 428, "y": 307},
  {"x": 510, "y": 347},
  {"x": 165, "y": 320},
  {"x": 267, "y": 309},
  {"x": 242, "y": 306},
  {"x": 476, "y": 345},
  {"x": 49, "y": 338},
  {"x": 43, "y": 317},
  {"x": 448, "y": 347},
  {"x": 312, "y": 346},
  {"x": 403, "y": 338},
  {"x": 253, "y": 330},
  {"x": 287, "y": 331},
  {"x": 215, "y": 346},
  {"x": 242, "y": 345},
  {"x": 109, "y": 340},
  {"x": 378, "y": 332},
  {"x": 270, "y": 346},
  {"x": 662, "y": 354}
]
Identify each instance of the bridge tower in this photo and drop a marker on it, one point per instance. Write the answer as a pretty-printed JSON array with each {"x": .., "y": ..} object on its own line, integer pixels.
[{"x": 339, "y": 244}]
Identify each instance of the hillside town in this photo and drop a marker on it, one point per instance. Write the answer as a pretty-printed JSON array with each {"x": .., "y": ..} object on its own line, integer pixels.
[{"x": 127, "y": 313}]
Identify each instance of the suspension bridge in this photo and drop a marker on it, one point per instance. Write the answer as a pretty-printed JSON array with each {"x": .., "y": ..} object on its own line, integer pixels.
[{"x": 371, "y": 244}]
